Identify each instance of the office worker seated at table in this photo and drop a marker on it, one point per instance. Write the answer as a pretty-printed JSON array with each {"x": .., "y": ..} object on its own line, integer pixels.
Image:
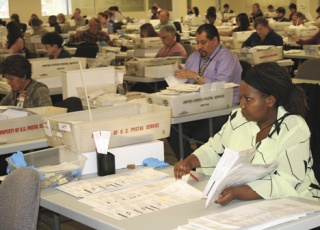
[
  {"x": 104, "y": 21},
  {"x": 147, "y": 31},
  {"x": 271, "y": 119},
  {"x": 211, "y": 16},
  {"x": 52, "y": 42},
  {"x": 78, "y": 19},
  {"x": 25, "y": 92},
  {"x": 93, "y": 34},
  {"x": 293, "y": 9},
  {"x": 314, "y": 40},
  {"x": 53, "y": 22},
  {"x": 281, "y": 12},
  {"x": 298, "y": 19},
  {"x": 170, "y": 46},
  {"x": 36, "y": 25},
  {"x": 242, "y": 23},
  {"x": 264, "y": 35},
  {"x": 153, "y": 13},
  {"x": 64, "y": 24},
  {"x": 164, "y": 17},
  {"x": 15, "y": 40},
  {"x": 15, "y": 18},
  {"x": 226, "y": 9},
  {"x": 210, "y": 63},
  {"x": 256, "y": 12}
]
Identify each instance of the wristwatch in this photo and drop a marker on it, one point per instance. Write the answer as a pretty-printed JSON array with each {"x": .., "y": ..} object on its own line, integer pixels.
[{"x": 198, "y": 78}]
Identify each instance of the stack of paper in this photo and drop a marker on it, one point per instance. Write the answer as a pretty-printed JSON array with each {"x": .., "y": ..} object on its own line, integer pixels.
[
  {"x": 234, "y": 169},
  {"x": 258, "y": 215}
]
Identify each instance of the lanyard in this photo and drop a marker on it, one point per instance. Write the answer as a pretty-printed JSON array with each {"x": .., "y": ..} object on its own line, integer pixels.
[{"x": 208, "y": 62}]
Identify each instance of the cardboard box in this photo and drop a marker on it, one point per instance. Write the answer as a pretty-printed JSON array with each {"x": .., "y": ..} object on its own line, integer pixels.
[
  {"x": 55, "y": 67},
  {"x": 193, "y": 103},
  {"x": 280, "y": 26},
  {"x": 161, "y": 71},
  {"x": 56, "y": 166},
  {"x": 147, "y": 43},
  {"x": 26, "y": 128},
  {"x": 312, "y": 50},
  {"x": 136, "y": 67},
  {"x": 224, "y": 28},
  {"x": 241, "y": 36},
  {"x": 260, "y": 56},
  {"x": 128, "y": 123},
  {"x": 72, "y": 79},
  {"x": 141, "y": 53},
  {"x": 230, "y": 43},
  {"x": 302, "y": 32},
  {"x": 33, "y": 44}
]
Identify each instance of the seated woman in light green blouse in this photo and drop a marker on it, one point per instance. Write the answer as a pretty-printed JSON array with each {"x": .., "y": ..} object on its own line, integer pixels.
[{"x": 271, "y": 119}]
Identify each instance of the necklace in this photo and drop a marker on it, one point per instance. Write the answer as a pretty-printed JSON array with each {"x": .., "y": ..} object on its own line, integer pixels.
[{"x": 167, "y": 52}]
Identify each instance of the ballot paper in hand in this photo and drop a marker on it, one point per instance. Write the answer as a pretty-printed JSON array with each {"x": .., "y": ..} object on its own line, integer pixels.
[
  {"x": 234, "y": 169},
  {"x": 171, "y": 79}
]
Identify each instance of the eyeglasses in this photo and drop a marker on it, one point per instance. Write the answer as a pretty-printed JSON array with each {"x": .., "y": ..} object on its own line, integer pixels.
[{"x": 164, "y": 37}]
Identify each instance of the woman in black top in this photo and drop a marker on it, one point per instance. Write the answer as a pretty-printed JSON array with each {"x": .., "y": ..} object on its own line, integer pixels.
[{"x": 15, "y": 38}]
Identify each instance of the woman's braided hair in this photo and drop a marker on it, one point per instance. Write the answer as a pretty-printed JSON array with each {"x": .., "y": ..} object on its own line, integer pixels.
[{"x": 271, "y": 79}]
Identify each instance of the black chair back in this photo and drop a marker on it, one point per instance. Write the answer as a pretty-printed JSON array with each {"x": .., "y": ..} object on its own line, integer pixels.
[{"x": 87, "y": 49}]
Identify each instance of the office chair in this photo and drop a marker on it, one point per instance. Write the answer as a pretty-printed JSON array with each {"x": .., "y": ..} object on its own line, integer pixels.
[
  {"x": 189, "y": 49},
  {"x": 87, "y": 49},
  {"x": 309, "y": 69},
  {"x": 245, "y": 67},
  {"x": 73, "y": 104},
  {"x": 312, "y": 118},
  {"x": 19, "y": 198}
]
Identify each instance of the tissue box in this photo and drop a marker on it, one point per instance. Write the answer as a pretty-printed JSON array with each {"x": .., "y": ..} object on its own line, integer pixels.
[
  {"x": 26, "y": 128},
  {"x": 56, "y": 166},
  {"x": 192, "y": 103},
  {"x": 128, "y": 124},
  {"x": 262, "y": 56}
]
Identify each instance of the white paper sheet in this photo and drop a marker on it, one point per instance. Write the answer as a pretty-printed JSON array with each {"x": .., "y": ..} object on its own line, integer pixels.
[
  {"x": 114, "y": 182},
  {"x": 144, "y": 199}
]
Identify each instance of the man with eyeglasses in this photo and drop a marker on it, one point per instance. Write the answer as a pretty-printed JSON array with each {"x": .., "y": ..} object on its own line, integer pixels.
[{"x": 210, "y": 63}]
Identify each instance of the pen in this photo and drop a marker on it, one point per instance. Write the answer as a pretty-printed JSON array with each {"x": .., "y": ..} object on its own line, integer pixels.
[{"x": 194, "y": 177}]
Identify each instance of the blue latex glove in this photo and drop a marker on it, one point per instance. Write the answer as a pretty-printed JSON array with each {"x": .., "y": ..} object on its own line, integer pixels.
[
  {"x": 18, "y": 159},
  {"x": 103, "y": 43},
  {"x": 154, "y": 162}
]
